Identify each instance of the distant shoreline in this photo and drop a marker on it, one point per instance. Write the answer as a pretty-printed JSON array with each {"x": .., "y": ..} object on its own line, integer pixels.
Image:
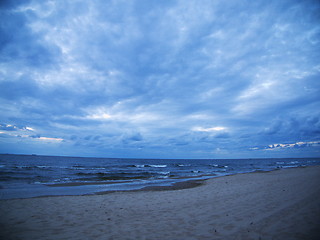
[{"x": 151, "y": 158}]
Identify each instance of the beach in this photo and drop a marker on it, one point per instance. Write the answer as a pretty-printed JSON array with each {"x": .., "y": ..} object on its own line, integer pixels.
[{"x": 280, "y": 204}]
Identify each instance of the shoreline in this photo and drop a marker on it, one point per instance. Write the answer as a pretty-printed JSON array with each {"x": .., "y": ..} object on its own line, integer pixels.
[
  {"x": 270, "y": 205},
  {"x": 173, "y": 187},
  {"x": 183, "y": 183},
  {"x": 45, "y": 177}
]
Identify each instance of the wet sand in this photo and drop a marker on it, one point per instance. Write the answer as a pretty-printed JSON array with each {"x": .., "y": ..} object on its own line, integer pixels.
[{"x": 283, "y": 204}]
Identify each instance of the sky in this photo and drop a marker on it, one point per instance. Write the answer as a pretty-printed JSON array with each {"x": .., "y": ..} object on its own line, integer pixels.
[{"x": 160, "y": 79}]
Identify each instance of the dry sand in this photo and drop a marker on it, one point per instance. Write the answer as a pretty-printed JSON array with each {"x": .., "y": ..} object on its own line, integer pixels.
[{"x": 282, "y": 204}]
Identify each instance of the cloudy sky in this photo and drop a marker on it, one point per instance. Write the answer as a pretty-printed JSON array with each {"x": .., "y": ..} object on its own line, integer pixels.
[{"x": 160, "y": 79}]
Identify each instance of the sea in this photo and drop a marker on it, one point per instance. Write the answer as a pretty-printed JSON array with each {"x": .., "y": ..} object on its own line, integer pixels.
[{"x": 26, "y": 176}]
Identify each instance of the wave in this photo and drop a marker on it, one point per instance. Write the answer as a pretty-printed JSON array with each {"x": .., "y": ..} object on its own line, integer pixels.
[
  {"x": 218, "y": 166},
  {"x": 89, "y": 176},
  {"x": 146, "y": 166},
  {"x": 291, "y": 166},
  {"x": 182, "y": 165},
  {"x": 157, "y": 166},
  {"x": 138, "y": 166},
  {"x": 81, "y": 167},
  {"x": 293, "y": 162},
  {"x": 24, "y": 167},
  {"x": 28, "y": 179}
]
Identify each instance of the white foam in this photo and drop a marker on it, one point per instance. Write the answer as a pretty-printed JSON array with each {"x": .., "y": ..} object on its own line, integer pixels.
[
  {"x": 158, "y": 166},
  {"x": 41, "y": 166},
  {"x": 184, "y": 165},
  {"x": 139, "y": 166},
  {"x": 294, "y": 162},
  {"x": 79, "y": 168}
]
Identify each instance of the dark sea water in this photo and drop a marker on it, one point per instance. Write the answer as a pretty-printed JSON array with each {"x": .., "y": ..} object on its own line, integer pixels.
[{"x": 24, "y": 176}]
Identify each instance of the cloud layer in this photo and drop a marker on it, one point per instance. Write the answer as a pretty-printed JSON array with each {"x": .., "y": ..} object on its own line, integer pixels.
[{"x": 160, "y": 79}]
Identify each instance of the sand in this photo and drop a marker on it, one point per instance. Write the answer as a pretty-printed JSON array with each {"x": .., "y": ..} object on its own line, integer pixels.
[{"x": 283, "y": 204}]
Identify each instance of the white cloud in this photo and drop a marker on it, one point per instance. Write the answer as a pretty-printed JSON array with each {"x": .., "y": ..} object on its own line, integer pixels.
[
  {"x": 99, "y": 116},
  {"x": 291, "y": 145},
  {"x": 212, "y": 129},
  {"x": 50, "y": 139},
  {"x": 30, "y": 137}
]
